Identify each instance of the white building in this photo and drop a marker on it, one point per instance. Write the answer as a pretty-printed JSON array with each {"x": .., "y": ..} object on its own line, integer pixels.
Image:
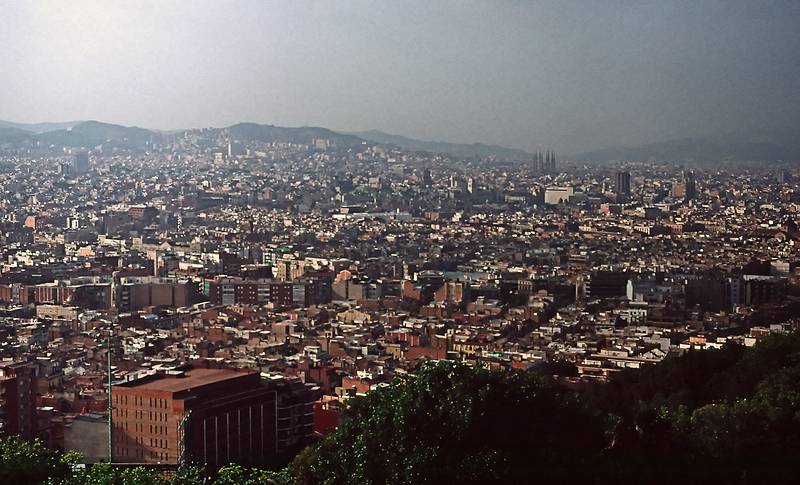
[{"x": 558, "y": 195}]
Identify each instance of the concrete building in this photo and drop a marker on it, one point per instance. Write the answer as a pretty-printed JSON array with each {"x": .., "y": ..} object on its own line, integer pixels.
[
  {"x": 135, "y": 293},
  {"x": 606, "y": 284},
  {"x": 622, "y": 183},
  {"x": 57, "y": 312},
  {"x": 281, "y": 294},
  {"x": 88, "y": 435},
  {"x": 80, "y": 163},
  {"x": 557, "y": 195}
]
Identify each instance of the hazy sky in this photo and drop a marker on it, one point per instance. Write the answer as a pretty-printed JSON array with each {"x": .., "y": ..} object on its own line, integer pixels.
[{"x": 572, "y": 75}]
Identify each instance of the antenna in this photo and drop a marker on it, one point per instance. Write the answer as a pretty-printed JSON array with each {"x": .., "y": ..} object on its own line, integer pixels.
[{"x": 110, "y": 406}]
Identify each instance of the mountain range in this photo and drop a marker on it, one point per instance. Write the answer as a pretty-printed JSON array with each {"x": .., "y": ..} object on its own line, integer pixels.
[
  {"x": 78, "y": 134},
  {"x": 302, "y": 134},
  {"x": 458, "y": 150},
  {"x": 38, "y": 127},
  {"x": 88, "y": 134},
  {"x": 767, "y": 146}
]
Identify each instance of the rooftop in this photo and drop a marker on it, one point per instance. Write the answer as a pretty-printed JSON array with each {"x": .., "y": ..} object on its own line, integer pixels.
[{"x": 184, "y": 380}]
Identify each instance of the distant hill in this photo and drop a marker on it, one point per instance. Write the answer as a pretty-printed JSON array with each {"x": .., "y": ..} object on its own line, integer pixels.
[
  {"x": 767, "y": 146},
  {"x": 89, "y": 134},
  {"x": 301, "y": 135},
  {"x": 14, "y": 135},
  {"x": 93, "y": 133},
  {"x": 39, "y": 127},
  {"x": 757, "y": 147},
  {"x": 458, "y": 150}
]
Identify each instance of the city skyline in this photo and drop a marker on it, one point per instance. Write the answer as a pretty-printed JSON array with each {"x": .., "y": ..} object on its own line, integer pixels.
[
  {"x": 575, "y": 76},
  {"x": 313, "y": 242}
]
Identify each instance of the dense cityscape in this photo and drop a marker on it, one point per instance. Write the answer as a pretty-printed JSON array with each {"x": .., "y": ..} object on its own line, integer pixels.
[
  {"x": 265, "y": 242},
  {"x": 242, "y": 287}
]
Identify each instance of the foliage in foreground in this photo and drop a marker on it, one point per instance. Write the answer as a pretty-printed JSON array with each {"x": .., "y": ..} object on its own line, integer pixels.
[
  {"x": 454, "y": 423},
  {"x": 727, "y": 416},
  {"x": 29, "y": 462}
]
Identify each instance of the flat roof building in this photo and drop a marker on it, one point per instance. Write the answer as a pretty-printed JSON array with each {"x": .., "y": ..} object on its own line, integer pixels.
[{"x": 233, "y": 416}]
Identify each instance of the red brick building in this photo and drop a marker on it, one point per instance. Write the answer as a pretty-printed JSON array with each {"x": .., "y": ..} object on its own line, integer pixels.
[
  {"x": 17, "y": 399},
  {"x": 233, "y": 416},
  {"x": 282, "y": 294}
]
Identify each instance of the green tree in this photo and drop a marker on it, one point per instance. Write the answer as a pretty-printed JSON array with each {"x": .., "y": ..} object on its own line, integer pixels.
[
  {"x": 234, "y": 474},
  {"x": 452, "y": 423},
  {"x": 105, "y": 474},
  {"x": 29, "y": 462},
  {"x": 190, "y": 475}
]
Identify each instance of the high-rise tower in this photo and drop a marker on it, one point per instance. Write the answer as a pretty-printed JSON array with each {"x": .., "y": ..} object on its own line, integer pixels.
[
  {"x": 691, "y": 185},
  {"x": 81, "y": 163},
  {"x": 622, "y": 183}
]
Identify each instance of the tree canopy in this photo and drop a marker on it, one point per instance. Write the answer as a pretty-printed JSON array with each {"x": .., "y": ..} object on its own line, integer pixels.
[
  {"x": 450, "y": 422},
  {"x": 719, "y": 416},
  {"x": 29, "y": 462}
]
